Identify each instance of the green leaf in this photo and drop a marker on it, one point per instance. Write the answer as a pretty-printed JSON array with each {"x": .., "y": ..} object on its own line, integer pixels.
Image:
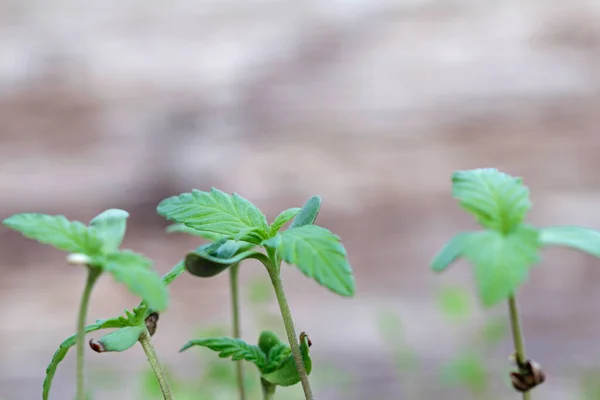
[
  {"x": 498, "y": 200},
  {"x": 214, "y": 212},
  {"x": 210, "y": 260},
  {"x": 319, "y": 254},
  {"x": 182, "y": 228},
  {"x": 576, "y": 237},
  {"x": 62, "y": 351},
  {"x": 132, "y": 269},
  {"x": 467, "y": 369},
  {"x": 110, "y": 227},
  {"x": 308, "y": 214},
  {"x": 173, "y": 273},
  {"x": 450, "y": 252},
  {"x": 283, "y": 218},
  {"x": 227, "y": 347},
  {"x": 277, "y": 354},
  {"x": 502, "y": 262},
  {"x": 118, "y": 341},
  {"x": 57, "y": 231},
  {"x": 286, "y": 373}
]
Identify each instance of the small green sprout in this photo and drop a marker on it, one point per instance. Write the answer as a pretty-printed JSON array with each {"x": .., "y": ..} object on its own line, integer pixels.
[
  {"x": 97, "y": 247},
  {"x": 238, "y": 230},
  {"x": 503, "y": 253}
]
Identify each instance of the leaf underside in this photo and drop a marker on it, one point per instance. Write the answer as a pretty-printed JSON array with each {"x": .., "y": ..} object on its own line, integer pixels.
[
  {"x": 319, "y": 254},
  {"x": 110, "y": 227},
  {"x": 214, "y": 212},
  {"x": 498, "y": 200},
  {"x": 308, "y": 214},
  {"x": 211, "y": 259},
  {"x": 56, "y": 231},
  {"x": 233, "y": 348},
  {"x": 501, "y": 262},
  {"x": 450, "y": 252}
]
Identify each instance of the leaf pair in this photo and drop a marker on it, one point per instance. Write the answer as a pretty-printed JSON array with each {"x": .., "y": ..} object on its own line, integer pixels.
[
  {"x": 236, "y": 227},
  {"x": 97, "y": 246},
  {"x": 504, "y": 252},
  {"x": 272, "y": 357},
  {"x": 129, "y": 327}
]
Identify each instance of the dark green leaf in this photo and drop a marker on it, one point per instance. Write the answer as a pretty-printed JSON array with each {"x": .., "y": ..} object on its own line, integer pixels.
[
  {"x": 450, "y": 252},
  {"x": 319, "y": 254},
  {"x": 173, "y": 273},
  {"x": 110, "y": 227},
  {"x": 576, "y": 237},
  {"x": 308, "y": 214},
  {"x": 57, "y": 231},
  {"x": 227, "y": 347},
  {"x": 283, "y": 218},
  {"x": 62, "y": 351},
  {"x": 502, "y": 262},
  {"x": 132, "y": 269},
  {"x": 498, "y": 200},
  {"x": 211, "y": 259},
  {"x": 214, "y": 212},
  {"x": 286, "y": 373},
  {"x": 277, "y": 354}
]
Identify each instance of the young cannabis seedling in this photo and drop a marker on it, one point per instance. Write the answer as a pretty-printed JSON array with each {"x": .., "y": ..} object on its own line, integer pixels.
[
  {"x": 97, "y": 247},
  {"x": 272, "y": 357},
  {"x": 505, "y": 250},
  {"x": 237, "y": 227},
  {"x": 137, "y": 325}
]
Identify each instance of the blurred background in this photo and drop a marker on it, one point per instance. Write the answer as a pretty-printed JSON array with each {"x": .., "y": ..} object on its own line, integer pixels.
[{"x": 372, "y": 105}]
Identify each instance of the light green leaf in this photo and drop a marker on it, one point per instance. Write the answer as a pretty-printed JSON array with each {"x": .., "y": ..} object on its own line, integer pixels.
[
  {"x": 576, "y": 237},
  {"x": 182, "y": 228},
  {"x": 57, "y": 231},
  {"x": 173, "y": 273},
  {"x": 450, "y": 252},
  {"x": 502, "y": 262},
  {"x": 498, "y": 200},
  {"x": 319, "y": 254},
  {"x": 118, "y": 341},
  {"x": 467, "y": 369},
  {"x": 110, "y": 227},
  {"x": 308, "y": 214},
  {"x": 277, "y": 355},
  {"x": 455, "y": 303},
  {"x": 227, "y": 347},
  {"x": 214, "y": 212},
  {"x": 286, "y": 373},
  {"x": 133, "y": 270},
  {"x": 283, "y": 218},
  {"x": 62, "y": 351}
]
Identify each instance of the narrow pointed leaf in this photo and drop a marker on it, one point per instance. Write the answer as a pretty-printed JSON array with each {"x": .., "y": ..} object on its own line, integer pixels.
[
  {"x": 575, "y": 237},
  {"x": 134, "y": 271},
  {"x": 502, "y": 262},
  {"x": 498, "y": 200},
  {"x": 57, "y": 231},
  {"x": 62, "y": 351},
  {"x": 214, "y": 212},
  {"x": 319, "y": 254},
  {"x": 233, "y": 348},
  {"x": 110, "y": 227},
  {"x": 173, "y": 273},
  {"x": 308, "y": 214},
  {"x": 283, "y": 218},
  {"x": 450, "y": 252}
]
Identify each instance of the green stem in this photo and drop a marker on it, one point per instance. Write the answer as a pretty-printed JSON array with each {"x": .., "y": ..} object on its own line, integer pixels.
[
  {"x": 290, "y": 330},
  {"x": 517, "y": 336},
  {"x": 235, "y": 305},
  {"x": 155, "y": 364},
  {"x": 92, "y": 277},
  {"x": 268, "y": 389}
]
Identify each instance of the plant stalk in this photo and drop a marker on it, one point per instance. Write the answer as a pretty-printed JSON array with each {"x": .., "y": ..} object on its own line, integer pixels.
[
  {"x": 146, "y": 343},
  {"x": 92, "y": 277},
  {"x": 235, "y": 305},
  {"x": 517, "y": 336},
  {"x": 290, "y": 330},
  {"x": 268, "y": 389}
]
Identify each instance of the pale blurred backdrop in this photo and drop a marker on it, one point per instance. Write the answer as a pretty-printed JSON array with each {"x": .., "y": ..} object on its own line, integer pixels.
[{"x": 371, "y": 104}]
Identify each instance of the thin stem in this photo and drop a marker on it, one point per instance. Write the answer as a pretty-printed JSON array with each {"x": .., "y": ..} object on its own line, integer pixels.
[
  {"x": 235, "y": 305},
  {"x": 155, "y": 364},
  {"x": 290, "y": 330},
  {"x": 92, "y": 276},
  {"x": 517, "y": 336},
  {"x": 268, "y": 389}
]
